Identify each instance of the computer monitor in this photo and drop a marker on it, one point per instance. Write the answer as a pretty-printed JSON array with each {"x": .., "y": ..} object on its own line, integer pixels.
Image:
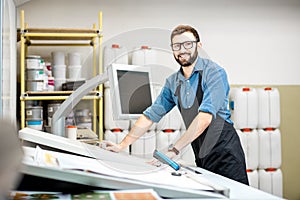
[{"x": 131, "y": 91}]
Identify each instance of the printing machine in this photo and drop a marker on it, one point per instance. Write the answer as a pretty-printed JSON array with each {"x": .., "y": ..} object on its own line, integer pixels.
[{"x": 88, "y": 167}]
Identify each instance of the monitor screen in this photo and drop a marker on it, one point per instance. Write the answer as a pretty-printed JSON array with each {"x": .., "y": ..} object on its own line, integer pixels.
[{"x": 131, "y": 90}]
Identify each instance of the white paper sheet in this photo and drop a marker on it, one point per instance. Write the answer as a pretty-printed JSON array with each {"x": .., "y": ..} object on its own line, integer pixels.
[{"x": 160, "y": 176}]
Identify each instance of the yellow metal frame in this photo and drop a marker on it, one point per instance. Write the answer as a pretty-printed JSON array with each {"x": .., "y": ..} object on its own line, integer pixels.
[{"x": 74, "y": 37}]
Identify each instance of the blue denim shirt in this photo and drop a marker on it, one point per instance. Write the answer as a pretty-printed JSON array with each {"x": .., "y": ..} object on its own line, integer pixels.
[{"x": 215, "y": 89}]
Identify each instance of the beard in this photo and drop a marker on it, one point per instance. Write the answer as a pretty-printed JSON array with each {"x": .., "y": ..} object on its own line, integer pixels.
[{"x": 189, "y": 60}]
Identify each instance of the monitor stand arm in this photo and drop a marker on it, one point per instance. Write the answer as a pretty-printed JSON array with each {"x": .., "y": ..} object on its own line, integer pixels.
[{"x": 58, "y": 120}]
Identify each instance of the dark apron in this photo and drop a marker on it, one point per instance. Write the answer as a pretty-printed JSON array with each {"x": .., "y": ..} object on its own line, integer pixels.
[{"x": 218, "y": 148}]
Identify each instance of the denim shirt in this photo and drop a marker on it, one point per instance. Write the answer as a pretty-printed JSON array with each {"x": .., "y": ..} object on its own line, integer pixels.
[{"x": 215, "y": 89}]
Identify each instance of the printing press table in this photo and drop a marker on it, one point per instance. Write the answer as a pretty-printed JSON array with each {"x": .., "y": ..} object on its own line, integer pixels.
[{"x": 78, "y": 165}]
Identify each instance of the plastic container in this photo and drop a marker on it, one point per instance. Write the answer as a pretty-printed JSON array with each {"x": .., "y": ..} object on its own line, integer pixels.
[
  {"x": 187, "y": 155},
  {"x": 88, "y": 125},
  {"x": 35, "y": 85},
  {"x": 270, "y": 180},
  {"x": 72, "y": 84},
  {"x": 269, "y": 148},
  {"x": 71, "y": 132},
  {"x": 144, "y": 146},
  {"x": 31, "y": 103},
  {"x": 244, "y": 107},
  {"x": 34, "y": 113},
  {"x": 268, "y": 107},
  {"x": 52, "y": 108},
  {"x": 144, "y": 56},
  {"x": 74, "y": 72},
  {"x": 35, "y": 124},
  {"x": 74, "y": 58},
  {"x": 47, "y": 129},
  {"x": 171, "y": 120},
  {"x": 51, "y": 84},
  {"x": 253, "y": 178},
  {"x": 35, "y": 74},
  {"x": 165, "y": 138},
  {"x": 249, "y": 141},
  {"x": 133, "y": 121},
  {"x": 116, "y": 136},
  {"x": 109, "y": 122},
  {"x": 114, "y": 53},
  {"x": 59, "y": 71},
  {"x": 58, "y": 58},
  {"x": 83, "y": 116},
  {"x": 58, "y": 84},
  {"x": 33, "y": 62}
]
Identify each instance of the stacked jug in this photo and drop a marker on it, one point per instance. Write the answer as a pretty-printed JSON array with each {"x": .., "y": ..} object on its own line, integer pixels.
[{"x": 58, "y": 69}]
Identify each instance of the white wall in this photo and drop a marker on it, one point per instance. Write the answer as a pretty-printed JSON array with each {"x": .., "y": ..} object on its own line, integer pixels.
[{"x": 257, "y": 42}]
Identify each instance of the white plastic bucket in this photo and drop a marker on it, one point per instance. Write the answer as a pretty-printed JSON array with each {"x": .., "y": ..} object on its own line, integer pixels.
[
  {"x": 52, "y": 108},
  {"x": 74, "y": 58},
  {"x": 35, "y": 85},
  {"x": 249, "y": 141},
  {"x": 269, "y": 148},
  {"x": 74, "y": 72},
  {"x": 270, "y": 180},
  {"x": 58, "y": 58},
  {"x": 244, "y": 107},
  {"x": 35, "y": 124},
  {"x": 34, "y": 113},
  {"x": 33, "y": 62},
  {"x": 144, "y": 56},
  {"x": 35, "y": 74},
  {"x": 268, "y": 107},
  {"x": 59, "y": 71},
  {"x": 58, "y": 84}
]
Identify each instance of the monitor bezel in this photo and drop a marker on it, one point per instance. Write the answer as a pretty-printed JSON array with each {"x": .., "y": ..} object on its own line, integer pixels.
[{"x": 115, "y": 90}]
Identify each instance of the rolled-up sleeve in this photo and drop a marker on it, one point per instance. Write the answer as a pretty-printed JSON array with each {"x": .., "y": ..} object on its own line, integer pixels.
[
  {"x": 162, "y": 105},
  {"x": 215, "y": 90}
]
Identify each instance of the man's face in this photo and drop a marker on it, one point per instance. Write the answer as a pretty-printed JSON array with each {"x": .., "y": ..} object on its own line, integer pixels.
[{"x": 187, "y": 52}]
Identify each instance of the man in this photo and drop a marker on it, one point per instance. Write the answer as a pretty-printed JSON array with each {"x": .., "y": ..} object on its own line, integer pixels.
[{"x": 200, "y": 90}]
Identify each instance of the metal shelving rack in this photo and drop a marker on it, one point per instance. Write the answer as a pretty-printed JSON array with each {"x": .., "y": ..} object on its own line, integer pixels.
[{"x": 62, "y": 37}]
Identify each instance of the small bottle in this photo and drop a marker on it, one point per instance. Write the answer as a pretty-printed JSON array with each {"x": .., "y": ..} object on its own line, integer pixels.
[
  {"x": 72, "y": 132},
  {"x": 50, "y": 83}
]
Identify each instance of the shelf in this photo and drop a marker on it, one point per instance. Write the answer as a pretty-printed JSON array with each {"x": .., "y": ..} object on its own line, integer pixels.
[
  {"x": 59, "y": 34},
  {"x": 61, "y": 37},
  {"x": 57, "y": 95}
]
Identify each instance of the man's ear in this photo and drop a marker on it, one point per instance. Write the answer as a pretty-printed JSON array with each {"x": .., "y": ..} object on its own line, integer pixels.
[{"x": 199, "y": 44}]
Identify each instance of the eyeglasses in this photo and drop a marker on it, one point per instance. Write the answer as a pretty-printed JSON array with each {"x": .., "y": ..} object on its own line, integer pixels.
[{"x": 186, "y": 45}]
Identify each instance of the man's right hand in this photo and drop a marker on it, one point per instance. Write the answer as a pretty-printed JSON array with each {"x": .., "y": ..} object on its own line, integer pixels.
[{"x": 110, "y": 146}]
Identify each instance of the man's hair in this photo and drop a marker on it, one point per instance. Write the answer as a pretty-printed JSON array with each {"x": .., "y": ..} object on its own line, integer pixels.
[{"x": 185, "y": 28}]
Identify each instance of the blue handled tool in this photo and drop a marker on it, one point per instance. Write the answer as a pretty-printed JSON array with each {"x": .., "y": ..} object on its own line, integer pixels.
[{"x": 165, "y": 159}]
